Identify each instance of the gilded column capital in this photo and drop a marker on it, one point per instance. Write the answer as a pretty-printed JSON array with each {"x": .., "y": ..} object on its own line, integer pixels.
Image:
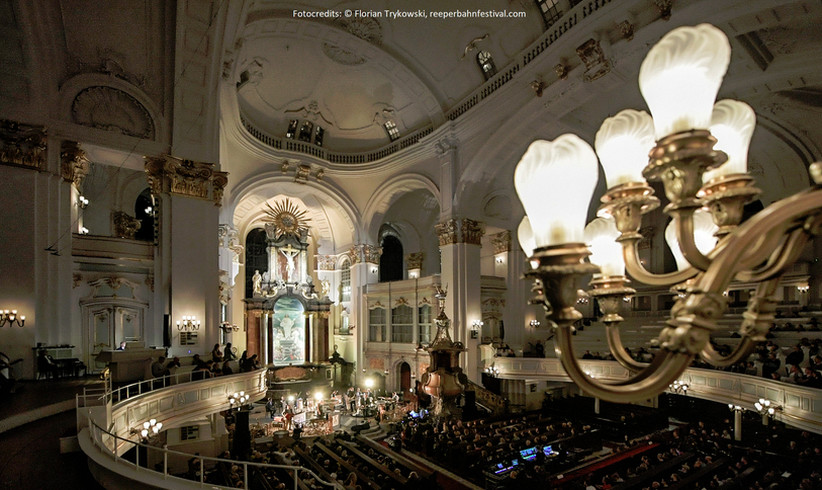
[
  {"x": 501, "y": 241},
  {"x": 172, "y": 175},
  {"x": 22, "y": 144},
  {"x": 460, "y": 230},
  {"x": 364, "y": 252},
  {"x": 326, "y": 262},
  {"x": 73, "y": 162},
  {"x": 414, "y": 260}
]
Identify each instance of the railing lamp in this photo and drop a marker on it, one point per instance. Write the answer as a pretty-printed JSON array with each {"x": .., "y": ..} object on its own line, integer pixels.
[{"x": 11, "y": 318}]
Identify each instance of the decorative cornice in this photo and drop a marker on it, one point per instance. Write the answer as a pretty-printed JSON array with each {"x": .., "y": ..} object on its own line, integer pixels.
[
  {"x": 596, "y": 65},
  {"x": 22, "y": 144},
  {"x": 414, "y": 260},
  {"x": 171, "y": 175},
  {"x": 462, "y": 230},
  {"x": 501, "y": 242},
  {"x": 74, "y": 165}
]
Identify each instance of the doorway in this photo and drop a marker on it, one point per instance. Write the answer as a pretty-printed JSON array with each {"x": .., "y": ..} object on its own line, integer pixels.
[{"x": 405, "y": 377}]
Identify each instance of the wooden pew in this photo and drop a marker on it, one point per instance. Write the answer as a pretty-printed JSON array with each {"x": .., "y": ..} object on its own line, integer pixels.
[
  {"x": 353, "y": 447},
  {"x": 314, "y": 464},
  {"x": 362, "y": 477},
  {"x": 422, "y": 471}
]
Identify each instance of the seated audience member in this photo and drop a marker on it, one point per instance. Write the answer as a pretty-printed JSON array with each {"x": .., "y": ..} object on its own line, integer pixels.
[
  {"x": 227, "y": 368},
  {"x": 158, "y": 370},
  {"x": 122, "y": 346},
  {"x": 228, "y": 353}
]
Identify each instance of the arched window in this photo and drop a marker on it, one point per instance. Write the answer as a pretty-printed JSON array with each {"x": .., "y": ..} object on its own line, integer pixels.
[
  {"x": 391, "y": 259},
  {"x": 345, "y": 281},
  {"x": 256, "y": 258},
  {"x": 145, "y": 210},
  {"x": 486, "y": 63}
]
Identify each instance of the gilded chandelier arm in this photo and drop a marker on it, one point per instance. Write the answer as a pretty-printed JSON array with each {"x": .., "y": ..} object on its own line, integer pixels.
[
  {"x": 637, "y": 271},
  {"x": 785, "y": 254},
  {"x": 685, "y": 237},
  {"x": 618, "y": 350},
  {"x": 740, "y": 353},
  {"x": 666, "y": 367}
]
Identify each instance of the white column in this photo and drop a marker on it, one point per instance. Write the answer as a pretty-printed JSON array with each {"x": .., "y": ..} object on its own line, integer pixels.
[
  {"x": 264, "y": 333},
  {"x": 737, "y": 425}
]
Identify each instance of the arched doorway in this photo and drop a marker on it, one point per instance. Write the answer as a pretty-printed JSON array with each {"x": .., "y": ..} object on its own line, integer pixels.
[{"x": 405, "y": 377}]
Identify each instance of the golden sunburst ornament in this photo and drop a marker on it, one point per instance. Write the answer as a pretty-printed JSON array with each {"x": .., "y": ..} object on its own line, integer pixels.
[{"x": 287, "y": 218}]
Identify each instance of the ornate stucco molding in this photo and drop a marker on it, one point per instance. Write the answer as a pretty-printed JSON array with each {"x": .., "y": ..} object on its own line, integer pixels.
[
  {"x": 501, "y": 242},
  {"x": 462, "y": 230},
  {"x": 364, "y": 253},
  {"x": 596, "y": 64},
  {"x": 414, "y": 260},
  {"x": 230, "y": 239},
  {"x": 125, "y": 226},
  {"x": 171, "y": 175},
  {"x": 22, "y": 144},
  {"x": 326, "y": 262},
  {"x": 74, "y": 165}
]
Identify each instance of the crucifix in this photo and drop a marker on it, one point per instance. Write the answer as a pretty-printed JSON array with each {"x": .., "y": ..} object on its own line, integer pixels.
[{"x": 290, "y": 252}]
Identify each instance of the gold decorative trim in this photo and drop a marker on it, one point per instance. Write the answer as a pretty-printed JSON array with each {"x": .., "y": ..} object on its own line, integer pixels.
[
  {"x": 172, "y": 175},
  {"x": 74, "y": 165},
  {"x": 460, "y": 231},
  {"x": 596, "y": 65},
  {"x": 501, "y": 242},
  {"x": 326, "y": 262},
  {"x": 22, "y": 144},
  {"x": 414, "y": 260},
  {"x": 125, "y": 226},
  {"x": 363, "y": 252}
]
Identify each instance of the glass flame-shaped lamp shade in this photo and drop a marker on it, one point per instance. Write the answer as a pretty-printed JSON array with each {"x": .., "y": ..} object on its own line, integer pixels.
[
  {"x": 732, "y": 124},
  {"x": 704, "y": 229},
  {"x": 606, "y": 252},
  {"x": 681, "y": 75},
  {"x": 526, "y": 237},
  {"x": 555, "y": 181},
  {"x": 623, "y": 143}
]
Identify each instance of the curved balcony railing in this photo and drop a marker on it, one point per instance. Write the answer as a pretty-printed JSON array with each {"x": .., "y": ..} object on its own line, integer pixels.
[
  {"x": 106, "y": 420},
  {"x": 800, "y": 406}
]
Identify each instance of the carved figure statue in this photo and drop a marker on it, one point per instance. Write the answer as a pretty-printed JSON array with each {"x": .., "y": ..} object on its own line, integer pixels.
[{"x": 257, "y": 281}]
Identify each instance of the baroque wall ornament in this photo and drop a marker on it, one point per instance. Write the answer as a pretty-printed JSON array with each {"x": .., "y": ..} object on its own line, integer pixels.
[
  {"x": 111, "y": 109},
  {"x": 501, "y": 241},
  {"x": 73, "y": 162},
  {"x": 22, "y": 144},
  {"x": 125, "y": 226},
  {"x": 326, "y": 262},
  {"x": 414, "y": 260},
  {"x": 596, "y": 65},
  {"x": 462, "y": 230},
  {"x": 171, "y": 175},
  {"x": 365, "y": 253},
  {"x": 341, "y": 55}
]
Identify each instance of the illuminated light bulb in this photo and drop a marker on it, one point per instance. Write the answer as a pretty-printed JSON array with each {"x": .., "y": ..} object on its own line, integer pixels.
[
  {"x": 606, "y": 252},
  {"x": 732, "y": 124},
  {"x": 681, "y": 75},
  {"x": 623, "y": 143},
  {"x": 555, "y": 181}
]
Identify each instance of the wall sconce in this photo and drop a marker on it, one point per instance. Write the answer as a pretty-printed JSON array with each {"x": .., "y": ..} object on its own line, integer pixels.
[
  {"x": 413, "y": 374},
  {"x": 492, "y": 371},
  {"x": 412, "y": 275},
  {"x": 476, "y": 325},
  {"x": 765, "y": 407},
  {"x": 499, "y": 259},
  {"x": 239, "y": 398},
  {"x": 189, "y": 322},
  {"x": 534, "y": 323},
  {"x": 227, "y": 327},
  {"x": 151, "y": 211},
  {"x": 678, "y": 387},
  {"x": 385, "y": 372},
  {"x": 11, "y": 318},
  {"x": 82, "y": 202},
  {"x": 150, "y": 428},
  {"x": 803, "y": 288},
  {"x": 83, "y": 230},
  {"x": 735, "y": 408},
  {"x": 374, "y": 270}
]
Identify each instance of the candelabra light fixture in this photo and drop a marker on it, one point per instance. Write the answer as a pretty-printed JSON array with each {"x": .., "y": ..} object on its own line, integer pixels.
[
  {"x": 765, "y": 407},
  {"x": 238, "y": 398},
  {"x": 733, "y": 407},
  {"x": 534, "y": 323},
  {"x": 679, "y": 387},
  {"x": 82, "y": 202},
  {"x": 148, "y": 429},
  {"x": 11, "y": 318},
  {"x": 188, "y": 323},
  {"x": 228, "y": 327},
  {"x": 83, "y": 230},
  {"x": 698, "y": 149},
  {"x": 492, "y": 371}
]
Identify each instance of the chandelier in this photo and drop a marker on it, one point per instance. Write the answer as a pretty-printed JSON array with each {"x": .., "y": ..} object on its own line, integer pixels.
[{"x": 698, "y": 149}]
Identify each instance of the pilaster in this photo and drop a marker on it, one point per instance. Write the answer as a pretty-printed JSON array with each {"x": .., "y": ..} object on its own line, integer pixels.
[
  {"x": 365, "y": 259},
  {"x": 460, "y": 242}
]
